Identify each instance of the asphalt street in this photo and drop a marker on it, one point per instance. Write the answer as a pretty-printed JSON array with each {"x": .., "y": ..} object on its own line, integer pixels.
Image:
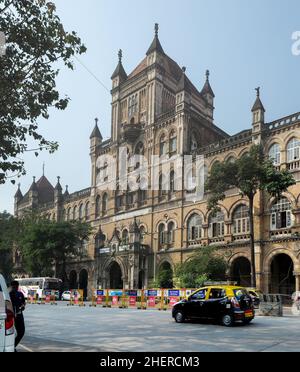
[{"x": 62, "y": 328}]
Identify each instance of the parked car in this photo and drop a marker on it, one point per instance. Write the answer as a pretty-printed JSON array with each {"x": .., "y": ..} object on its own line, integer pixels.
[
  {"x": 227, "y": 304},
  {"x": 66, "y": 295},
  {"x": 7, "y": 319},
  {"x": 256, "y": 296}
]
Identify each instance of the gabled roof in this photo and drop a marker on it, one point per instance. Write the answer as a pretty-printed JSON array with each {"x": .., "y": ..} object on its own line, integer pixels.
[{"x": 45, "y": 190}]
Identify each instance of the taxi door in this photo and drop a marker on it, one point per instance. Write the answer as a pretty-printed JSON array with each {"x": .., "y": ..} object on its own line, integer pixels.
[
  {"x": 216, "y": 302},
  {"x": 2, "y": 321},
  {"x": 195, "y": 305}
]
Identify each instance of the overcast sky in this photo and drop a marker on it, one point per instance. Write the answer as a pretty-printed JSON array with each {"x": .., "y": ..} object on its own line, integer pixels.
[{"x": 244, "y": 44}]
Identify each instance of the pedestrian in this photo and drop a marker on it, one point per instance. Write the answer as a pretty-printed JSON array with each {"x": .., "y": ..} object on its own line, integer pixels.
[{"x": 18, "y": 302}]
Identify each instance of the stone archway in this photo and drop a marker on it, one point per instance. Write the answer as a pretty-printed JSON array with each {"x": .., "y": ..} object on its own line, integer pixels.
[
  {"x": 282, "y": 279},
  {"x": 73, "y": 284},
  {"x": 141, "y": 283},
  {"x": 241, "y": 271},
  {"x": 115, "y": 276},
  {"x": 83, "y": 282},
  {"x": 165, "y": 275}
]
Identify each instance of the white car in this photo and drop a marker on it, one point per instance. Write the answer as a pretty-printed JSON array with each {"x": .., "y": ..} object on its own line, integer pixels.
[
  {"x": 66, "y": 296},
  {"x": 7, "y": 320}
]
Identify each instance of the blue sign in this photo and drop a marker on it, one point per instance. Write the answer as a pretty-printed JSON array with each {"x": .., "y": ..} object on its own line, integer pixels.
[
  {"x": 100, "y": 293},
  {"x": 152, "y": 293},
  {"x": 131, "y": 293},
  {"x": 174, "y": 293},
  {"x": 115, "y": 293}
]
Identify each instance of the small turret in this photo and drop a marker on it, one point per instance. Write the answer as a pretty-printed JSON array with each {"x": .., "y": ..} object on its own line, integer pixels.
[
  {"x": 183, "y": 91},
  {"x": 33, "y": 193},
  {"x": 96, "y": 136},
  {"x": 58, "y": 189},
  {"x": 209, "y": 96},
  {"x": 119, "y": 75},
  {"x": 258, "y": 118}
]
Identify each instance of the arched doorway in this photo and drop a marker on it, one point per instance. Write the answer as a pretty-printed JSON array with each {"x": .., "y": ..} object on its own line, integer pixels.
[
  {"x": 83, "y": 282},
  {"x": 73, "y": 280},
  {"x": 141, "y": 279},
  {"x": 115, "y": 276},
  {"x": 165, "y": 275},
  {"x": 282, "y": 275},
  {"x": 241, "y": 271}
]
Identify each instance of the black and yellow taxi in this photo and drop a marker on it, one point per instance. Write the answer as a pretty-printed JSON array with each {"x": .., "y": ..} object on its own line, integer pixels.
[{"x": 227, "y": 304}]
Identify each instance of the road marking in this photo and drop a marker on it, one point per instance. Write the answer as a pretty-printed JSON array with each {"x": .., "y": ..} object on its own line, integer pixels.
[{"x": 26, "y": 348}]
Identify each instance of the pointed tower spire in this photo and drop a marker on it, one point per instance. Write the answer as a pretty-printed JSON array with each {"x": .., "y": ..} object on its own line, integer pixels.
[
  {"x": 258, "y": 104},
  {"x": 96, "y": 132},
  {"x": 58, "y": 185},
  {"x": 119, "y": 71},
  {"x": 66, "y": 193},
  {"x": 156, "y": 45},
  {"x": 33, "y": 186},
  {"x": 207, "y": 90},
  {"x": 19, "y": 195}
]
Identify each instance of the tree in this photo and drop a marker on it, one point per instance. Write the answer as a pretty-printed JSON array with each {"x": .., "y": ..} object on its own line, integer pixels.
[
  {"x": 35, "y": 41},
  {"x": 8, "y": 229},
  {"x": 205, "y": 264},
  {"x": 250, "y": 174},
  {"x": 47, "y": 245}
]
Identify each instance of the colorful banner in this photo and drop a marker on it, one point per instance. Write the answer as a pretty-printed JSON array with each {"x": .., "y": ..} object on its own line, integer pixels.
[{"x": 151, "y": 301}]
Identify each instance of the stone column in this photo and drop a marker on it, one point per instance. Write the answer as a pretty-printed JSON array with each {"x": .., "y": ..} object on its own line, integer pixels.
[
  {"x": 297, "y": 278},
  {"x": 266, "y": 282}
]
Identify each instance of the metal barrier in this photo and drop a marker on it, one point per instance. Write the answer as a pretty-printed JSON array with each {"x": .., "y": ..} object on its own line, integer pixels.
[{"x": 271, "y": 305}]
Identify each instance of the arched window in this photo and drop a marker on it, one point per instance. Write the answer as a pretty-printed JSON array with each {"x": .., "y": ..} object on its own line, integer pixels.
[
  {"x": 104, "y": 204},
  {"x": 293, "y": 150},
  {"x": 97, "y": 206},
  {"x": 80, "y": 211},
  {"x": 231, "y": 159},
  {"x": 163, "y": 145},
  {"x": 87, "y": 211},
  {"x": 162, "y": 186},
  {"x": 195, "y": 227},
  {"x": 241, "y": 220},
  {"x": 172, "y": 182},
  {"x": 142, "y": 232},
  {"x": 74, "y": 213},
  {"x": 281, "y": 214},
  {"x": 274, "y": 154},
  {"x": 125, "y": 237},
  {"x": 162, "y": 235},
  {"x": 171, "y": 233},
  {"x": 69, "y": 214},
  {"x": 139, "y": 149},
  {"x": 216, "y": 225},
  {"x": 173, "y": 142}
]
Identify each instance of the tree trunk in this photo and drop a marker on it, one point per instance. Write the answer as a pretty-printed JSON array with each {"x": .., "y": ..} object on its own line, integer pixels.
[{"x": 252, "y": 246}]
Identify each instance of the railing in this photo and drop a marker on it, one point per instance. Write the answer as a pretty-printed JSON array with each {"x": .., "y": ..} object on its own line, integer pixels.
[
  {"x": 241, "y": 237},
  {"x": 295, "y": 165},
  {"x": 284, "y": 121},
  {"x": 280, "y": 233}
]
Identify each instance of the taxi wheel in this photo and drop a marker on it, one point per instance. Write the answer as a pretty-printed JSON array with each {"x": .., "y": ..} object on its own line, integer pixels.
[
  {"x": 179, "y": 317},
  {"x": 227, "y": 320}
]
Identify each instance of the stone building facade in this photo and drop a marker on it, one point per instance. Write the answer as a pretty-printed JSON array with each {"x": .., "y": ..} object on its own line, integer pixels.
[{"x": 156, "y": 110}]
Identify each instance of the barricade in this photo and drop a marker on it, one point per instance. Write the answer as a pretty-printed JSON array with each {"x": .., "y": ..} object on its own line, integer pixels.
[
  {"x": 76, "y": 298},
  {"x": 31, "y": 297},
  {"x": 40, "y": 300},
  {"x": 174, "y": 296},
  {"x": 107, "y": 301}
]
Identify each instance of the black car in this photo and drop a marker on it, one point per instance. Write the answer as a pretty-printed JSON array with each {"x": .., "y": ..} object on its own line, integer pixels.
[{"x": 226, "y": 304}]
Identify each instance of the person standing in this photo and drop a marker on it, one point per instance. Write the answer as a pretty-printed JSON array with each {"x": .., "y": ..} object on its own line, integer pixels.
[{"x": 18, "y": 302}]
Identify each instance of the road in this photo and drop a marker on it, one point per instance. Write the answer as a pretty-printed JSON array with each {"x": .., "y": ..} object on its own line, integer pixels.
[{"x": 63, "y": 328}]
